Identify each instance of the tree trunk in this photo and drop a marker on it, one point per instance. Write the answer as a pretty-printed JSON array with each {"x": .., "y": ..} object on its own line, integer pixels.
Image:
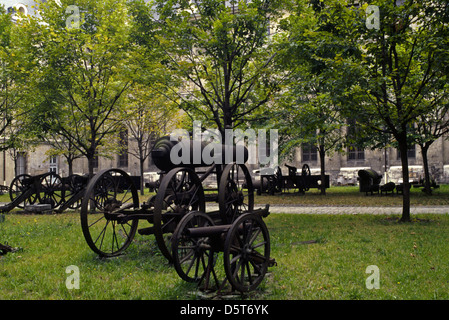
[
  {"x": 427, "y": 187},
  {"x": 70, "y": 164},
  {"x": 90, "y": 162},
  {"x": 141, "y": 161},
  {"x": 403, "y": 148},
  {"x": 323, "y": 169}
]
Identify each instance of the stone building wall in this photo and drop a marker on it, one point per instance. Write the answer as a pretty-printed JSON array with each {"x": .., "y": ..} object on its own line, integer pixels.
[
  {"x": 37, "y": 161},
  {"x": 341, "y": 170}
]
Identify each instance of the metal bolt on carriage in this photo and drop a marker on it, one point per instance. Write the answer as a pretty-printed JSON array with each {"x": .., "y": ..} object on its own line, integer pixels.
[{"x": 187, "y": 235}]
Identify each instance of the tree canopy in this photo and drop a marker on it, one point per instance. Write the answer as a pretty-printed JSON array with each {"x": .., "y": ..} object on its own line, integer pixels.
[
  {"x": 84, "y": 69},
  {"x": 219, "y": 55}
]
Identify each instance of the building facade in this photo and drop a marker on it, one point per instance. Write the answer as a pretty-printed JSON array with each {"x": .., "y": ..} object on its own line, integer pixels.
[
  {"x": 343, "y": 167},
  {"x": 39, "y": 161}
]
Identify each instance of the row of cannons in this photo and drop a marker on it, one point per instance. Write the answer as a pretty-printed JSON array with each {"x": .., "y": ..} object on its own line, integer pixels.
[
  {"x": 273, "y": 181},
  {"x": 196, "y": 241},
  {"x": 48, "y": 191}
]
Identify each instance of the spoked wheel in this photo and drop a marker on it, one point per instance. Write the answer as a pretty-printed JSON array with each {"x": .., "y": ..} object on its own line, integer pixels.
[
  {"x": 180, "y": 192},
  {"x": 235, "y": 192},
  {"x": 275, "y": 183},
  {"x": 51, "y": 189},
  {"x": 246, "y": 252},
  {"x": 75, "y": 184},
  {"x": 109, "y": 197},
  {"x": 193, "y": 257},
  {"x": 18, "y": 186}
]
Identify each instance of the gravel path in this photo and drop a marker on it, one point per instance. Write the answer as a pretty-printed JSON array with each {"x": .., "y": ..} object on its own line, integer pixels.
[
  {"x": 306, "y": 209},
  {"x": 356, "y": 210}
]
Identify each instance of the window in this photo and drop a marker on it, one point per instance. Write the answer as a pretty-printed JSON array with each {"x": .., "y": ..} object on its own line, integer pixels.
[
  {"x": 21, "y": 8},
  {"x": 54, "y": 164},
  {"x": 309, "y": 152},
  {"x": 356, "y": 153},
  {"x": 411, "y": 153},
  {"x": 21, "y": 162},
  {"x": 122, "y": 160}
]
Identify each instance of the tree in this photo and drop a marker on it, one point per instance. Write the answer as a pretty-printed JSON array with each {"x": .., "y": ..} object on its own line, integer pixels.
[
  {"x": 389, "y": 72},
  {"x": 14, "y": 66},
  {"x": 428, "y": 128},
  {"x": 397, "y": 70},
  {"x": 218, "y": 56},
  {"x": 84, "y": 70},
  {"x": 16, "y": 63},
  {"x": 312, "y": 92},
  {"x": 5, "y": 80},
  {"x": 149, "y": 116}
]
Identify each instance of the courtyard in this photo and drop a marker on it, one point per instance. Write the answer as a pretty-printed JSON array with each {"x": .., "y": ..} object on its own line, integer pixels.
[{"x": 319, "y": 256}]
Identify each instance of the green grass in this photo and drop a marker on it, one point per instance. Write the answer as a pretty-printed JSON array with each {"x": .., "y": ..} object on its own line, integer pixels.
[
  {"x": 352, "y": 196},
  {"x": 338, "y": 196},
  {"x": 411, "y": 258},
  {"x": 318, "y": 257}
]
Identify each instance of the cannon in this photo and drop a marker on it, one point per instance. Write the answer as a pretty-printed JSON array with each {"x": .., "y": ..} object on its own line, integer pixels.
[
  {"x": 26, "y": 191},
  {"x": 163, "y": 149},
  {"x": 275, "y": 182},
  {"x": 111, "y": 197},
  {"x": 244, "y": 243},
  {"x": 74, "y": 187},
  {"x": 110, "y": 209},
  {"x": 369, "y": 181}
]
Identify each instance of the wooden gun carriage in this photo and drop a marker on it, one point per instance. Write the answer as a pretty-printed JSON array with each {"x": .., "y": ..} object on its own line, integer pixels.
[
  {"x": 110, "y": 213},
  {"x": 49, "y": 188},
  {"x": 275, "y": 182}
]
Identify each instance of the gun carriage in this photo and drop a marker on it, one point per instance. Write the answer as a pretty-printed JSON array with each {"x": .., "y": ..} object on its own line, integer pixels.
[
  {"x": 74, "y": 187},
  {"x": 49, "y": 188},
  {"x": 274, "y": 182},
  {"x": 110, "y": 213}
]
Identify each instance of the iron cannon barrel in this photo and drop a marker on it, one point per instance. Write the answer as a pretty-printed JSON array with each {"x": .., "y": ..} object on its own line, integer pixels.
[
  {"x": 162, "y": 154},
  {"x": 207, "y": 231}
]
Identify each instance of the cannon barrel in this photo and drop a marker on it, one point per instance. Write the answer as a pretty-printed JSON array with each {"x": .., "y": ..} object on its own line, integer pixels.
[
  {"x": 162, "y": 153},
  {"x": 369, "y": 180},
  {"x": 208, "y": 231}
]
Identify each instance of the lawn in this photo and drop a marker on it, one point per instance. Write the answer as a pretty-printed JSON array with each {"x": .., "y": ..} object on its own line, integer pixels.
[
  {"x": 353, "y": 197},
  {"x": 318, "y": 257},
  {"x": 347, "y": 195}
]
